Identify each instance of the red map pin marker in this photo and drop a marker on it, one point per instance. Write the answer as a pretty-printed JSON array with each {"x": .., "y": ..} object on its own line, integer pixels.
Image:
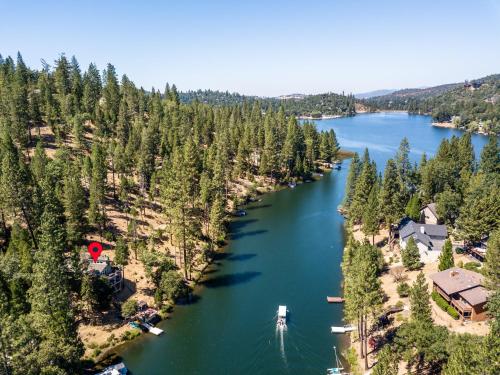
[{"x": 95, "y": 249}]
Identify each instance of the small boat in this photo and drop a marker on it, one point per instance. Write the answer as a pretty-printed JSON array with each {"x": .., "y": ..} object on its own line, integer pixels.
[
  {"x": 240, "y": 213},
  {"x": 291, "y": 185},
  {"x": 118, "y": 369},
  {"x": 134, "y": 325},
  {"x": 343, "y": 329},
  {"x": 334, "y": 299},
  {"x": 338, "y": 369},
  {"x": 338, "y": 167},
  {"x": 281, "y": 322}
]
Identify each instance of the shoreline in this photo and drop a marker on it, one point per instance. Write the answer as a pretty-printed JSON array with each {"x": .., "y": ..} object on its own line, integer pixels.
[
  {"x": 323, "y": 117},
  {"x": 111, "y": 353},
  {"x": 447, "y": 125}
]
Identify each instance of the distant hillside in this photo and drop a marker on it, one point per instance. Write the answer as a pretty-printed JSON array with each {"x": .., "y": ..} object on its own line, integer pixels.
[
  {"x": 471, "y": 105},
  {"x": 327, "y": 104},
  {"x": 372, "y": 94}
]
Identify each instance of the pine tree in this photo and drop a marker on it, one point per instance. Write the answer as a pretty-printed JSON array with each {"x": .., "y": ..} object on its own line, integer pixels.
[
  {"x": 122, "y": 253},
  {"x": 387, "y": 362},
  {"x": 391, "y": 202},
  {"x": 413, "y": 208},
  {"x": 419, "y": 301},
  {"x": 352, "y": 178},
  {"x": 364, "y": 184},
  {"x": 446, "y": 257},
  {"x": 92, "y": 87},
  {"x": 217, "y": 216},
  {"x": 75, "y": 205},
  {"x": 490, "y": 156},
  {"x": 371, "y": 214},
  {"x": 479, "y": 212},
  {"x": 410, "y": 255},
  {"x": 97, "y": 215},
  {"x": 111, "y": 95},
  {"x": 51, "y": 313}
]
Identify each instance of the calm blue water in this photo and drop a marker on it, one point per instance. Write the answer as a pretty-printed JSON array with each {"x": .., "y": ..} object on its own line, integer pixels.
[{"x": 287, "y": 250}]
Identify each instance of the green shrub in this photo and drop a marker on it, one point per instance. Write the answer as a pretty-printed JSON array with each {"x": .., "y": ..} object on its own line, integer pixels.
[
  {"x": 96, "y": 352},
  {"x": 399, "y": 304},
  {"x": 441, "y": 302},
  {"x": 104, "y": 345},
  {"x": 452, "y": 312},
  {"x": 129, "y": 335},
  {"x": 472, "y": 266},
  {"x": 92, "y": 345},
  {"x": 403, "y": 289}
]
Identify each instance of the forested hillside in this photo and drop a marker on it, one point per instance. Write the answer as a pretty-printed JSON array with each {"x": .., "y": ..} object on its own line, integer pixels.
[
  {"x": 473, "y": 106},
  {"x": 85, "y": 155},
  {"x": 328, "y": 104}
]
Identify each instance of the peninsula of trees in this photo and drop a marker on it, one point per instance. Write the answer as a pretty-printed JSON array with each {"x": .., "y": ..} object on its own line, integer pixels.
[
  {"x": 328, "y": 104},
  {"x": 76, "y": 146},
  {"x": 473, "y": 106}
]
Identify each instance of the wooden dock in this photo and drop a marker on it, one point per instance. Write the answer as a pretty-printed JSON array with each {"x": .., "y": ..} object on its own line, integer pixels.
[{"x": 334, "y": 299}]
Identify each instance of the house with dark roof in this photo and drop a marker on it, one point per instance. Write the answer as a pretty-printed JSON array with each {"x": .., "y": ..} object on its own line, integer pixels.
[
  {"x": 464, "y": 291},
  {"x": 428, "y": 214},
  {"x": 428, "y": 237}
]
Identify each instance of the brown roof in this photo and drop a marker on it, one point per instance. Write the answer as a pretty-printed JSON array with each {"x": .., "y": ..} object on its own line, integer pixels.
[
  {"x": 456, "y": 280},
  {"x": 475, "y": 296}
]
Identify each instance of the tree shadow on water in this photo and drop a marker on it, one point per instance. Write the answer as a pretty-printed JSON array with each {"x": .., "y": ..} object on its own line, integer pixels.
[
  {"x": 231, "y": 279},
  {"x": 236, "y": 226},
  {"x": 239, "y": 257},
  {"x": 236, "y": 236},
  {"x": 258, "y": 206}
]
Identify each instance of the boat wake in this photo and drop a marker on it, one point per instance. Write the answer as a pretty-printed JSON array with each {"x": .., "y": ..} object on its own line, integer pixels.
[{"x": 280, "y": 332}]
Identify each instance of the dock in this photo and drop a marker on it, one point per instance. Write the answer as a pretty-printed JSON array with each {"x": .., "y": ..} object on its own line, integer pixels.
[
  {"x": 153, "y": 329},
  {"x": 343, "y": 329},
  {"x": 334, "y": 299}
]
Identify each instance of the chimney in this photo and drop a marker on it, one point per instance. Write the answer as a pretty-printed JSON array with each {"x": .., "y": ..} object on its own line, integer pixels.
[
  {"x": 453, "y": 273},
  {"x": 422, "y": 229}
]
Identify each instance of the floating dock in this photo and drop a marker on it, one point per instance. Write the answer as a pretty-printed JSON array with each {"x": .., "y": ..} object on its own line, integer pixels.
[
  {"x": 343, "y": 329},
  {"x": 152, "y": 329},
  {"x": 334, "y": 299}
]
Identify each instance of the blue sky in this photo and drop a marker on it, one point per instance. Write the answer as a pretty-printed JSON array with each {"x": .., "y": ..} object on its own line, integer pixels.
[{"x": 263, "y": 47}]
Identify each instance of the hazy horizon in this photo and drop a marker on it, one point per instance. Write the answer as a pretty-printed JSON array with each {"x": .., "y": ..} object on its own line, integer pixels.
[{"x": 261, "y": 48}]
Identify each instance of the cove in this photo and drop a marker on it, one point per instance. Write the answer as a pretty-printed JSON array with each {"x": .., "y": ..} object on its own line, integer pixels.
[{"x": 287, "y": 250}]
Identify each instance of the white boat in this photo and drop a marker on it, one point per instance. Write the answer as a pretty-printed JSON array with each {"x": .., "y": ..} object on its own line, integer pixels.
[
  {"x": 153, "y": 329},
  {"x": 281, "y": 316},
  {"x": 343, "y": 329},
  {"x": 338, "y": 369},
  {"x": 118, "y": 369}
]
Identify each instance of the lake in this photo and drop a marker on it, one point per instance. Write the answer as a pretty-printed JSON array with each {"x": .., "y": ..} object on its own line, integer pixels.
[{"x": 287, "y": 250}]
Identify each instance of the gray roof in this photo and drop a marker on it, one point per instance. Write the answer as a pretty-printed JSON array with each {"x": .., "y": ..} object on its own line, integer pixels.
[
  {"x": 432, "y": 208},
  {"x": 431, "y": 232},
  {"x": 456, "y": 280},
  {"x": 476, "y": 295}
]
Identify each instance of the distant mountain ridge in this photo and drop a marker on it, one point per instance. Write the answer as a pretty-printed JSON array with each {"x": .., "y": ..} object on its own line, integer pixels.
[{"x": 374, "y": 93}]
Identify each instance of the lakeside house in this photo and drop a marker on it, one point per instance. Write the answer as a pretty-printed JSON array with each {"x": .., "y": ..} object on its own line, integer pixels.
[
  {"x": 463, "y": 290},
  {"x": 104, "y": 268},
  {"x": 428, "y": 214},
  {"x": 428, "y": 237}
]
